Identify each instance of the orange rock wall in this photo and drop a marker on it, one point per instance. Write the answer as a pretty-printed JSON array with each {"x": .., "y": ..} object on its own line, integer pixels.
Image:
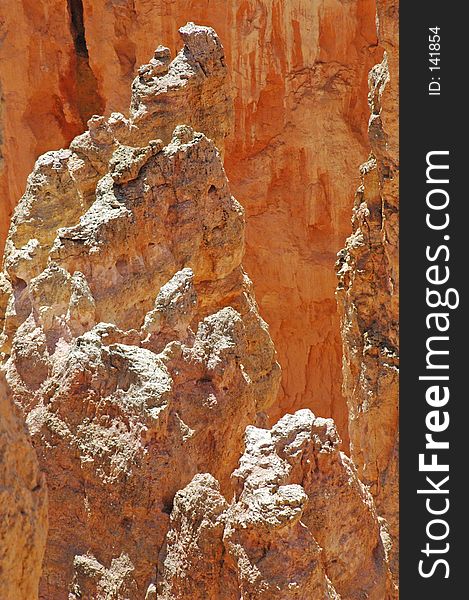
[
  {"x": 368, "y": 292},
  {"x": 38, "y": 92},
  {"x": 299, "y": 74}
]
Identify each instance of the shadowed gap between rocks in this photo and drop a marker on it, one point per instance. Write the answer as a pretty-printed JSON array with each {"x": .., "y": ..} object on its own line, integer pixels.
[{"x": 89, "y": 101}]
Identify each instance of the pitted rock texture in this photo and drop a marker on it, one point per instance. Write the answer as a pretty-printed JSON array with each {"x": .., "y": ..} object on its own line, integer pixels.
[
  {"x": 368, "y": 294},
  {"x": 301, "y": 525},
  {"x": 23, "y": 506},
  {"x": 193, "y": 559},
  {"x": 132, "y": 340},
  {"x": 299, "y": 78},
  {"x": 133, "y": 343}
]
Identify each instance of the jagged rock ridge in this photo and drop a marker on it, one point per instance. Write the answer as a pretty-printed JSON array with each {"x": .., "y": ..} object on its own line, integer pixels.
[
  {"x": 131, "y": 336},
  {"x": 368, "y": 294},
  {"x": 298, "y": 73},
  {"x": 301, "y": 524},
  {"x": 133, "y": 343}
]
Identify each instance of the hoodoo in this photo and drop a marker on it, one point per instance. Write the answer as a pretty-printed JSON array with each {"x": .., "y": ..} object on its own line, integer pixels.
[{"x": 151, "y": 445}]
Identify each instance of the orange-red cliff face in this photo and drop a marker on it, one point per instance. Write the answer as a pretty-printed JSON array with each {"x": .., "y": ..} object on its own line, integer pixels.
[
  {"x": 23, "y": 505},
  {"x": 133, "y": 345},
  {"x": 368, "y": 292},
  {"x": 299, "y": 75},
  {"x": 129, "y": 333}
]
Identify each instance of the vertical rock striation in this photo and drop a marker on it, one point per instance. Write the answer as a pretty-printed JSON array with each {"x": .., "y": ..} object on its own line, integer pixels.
[{"x": 368, "y": 294}]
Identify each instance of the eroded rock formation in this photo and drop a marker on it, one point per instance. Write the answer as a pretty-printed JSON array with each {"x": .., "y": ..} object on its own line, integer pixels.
[
  {"x": 133, "y": 344},
  {"x": 23, "y": 506},
  {"x": 368, "y": 294},
  {"x": 299, "y": 77},
  {"x": 301, "y": 524},
  {"x": 132, "y": 339}
]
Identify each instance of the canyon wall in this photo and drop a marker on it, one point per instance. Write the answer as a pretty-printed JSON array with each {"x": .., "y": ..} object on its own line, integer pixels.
[
  {"x": 368, "y": 292},
  {"x": 133, "y": 344},
  {"x": 132, "y": 341},
  {"x": 299, "y": 78}
]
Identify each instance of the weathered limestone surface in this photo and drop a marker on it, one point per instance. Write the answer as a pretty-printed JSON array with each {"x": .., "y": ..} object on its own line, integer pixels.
[
  {"x": 299, "y": 78},
  {"x": 132, "y": 340},
  {"x": 301, "y": 525},
  {"x": 23, "y": 506},
  {"x": 368, "y": 294}
]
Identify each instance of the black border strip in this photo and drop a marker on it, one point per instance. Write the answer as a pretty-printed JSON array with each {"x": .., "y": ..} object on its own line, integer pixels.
[{"x": 432, "y": 123}]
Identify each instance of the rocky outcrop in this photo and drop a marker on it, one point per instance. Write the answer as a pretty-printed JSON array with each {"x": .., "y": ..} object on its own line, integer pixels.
[
  {"x": 132, "y": 342},
  {"x": 300, "y": 526},
  {"x": 23, "y": 506},
  {"x": 368, "y": 294},
  {"x": 299, "y": 78},
  {"x": 132, "y": 339},
  {"x": 193, "y": 559}
]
